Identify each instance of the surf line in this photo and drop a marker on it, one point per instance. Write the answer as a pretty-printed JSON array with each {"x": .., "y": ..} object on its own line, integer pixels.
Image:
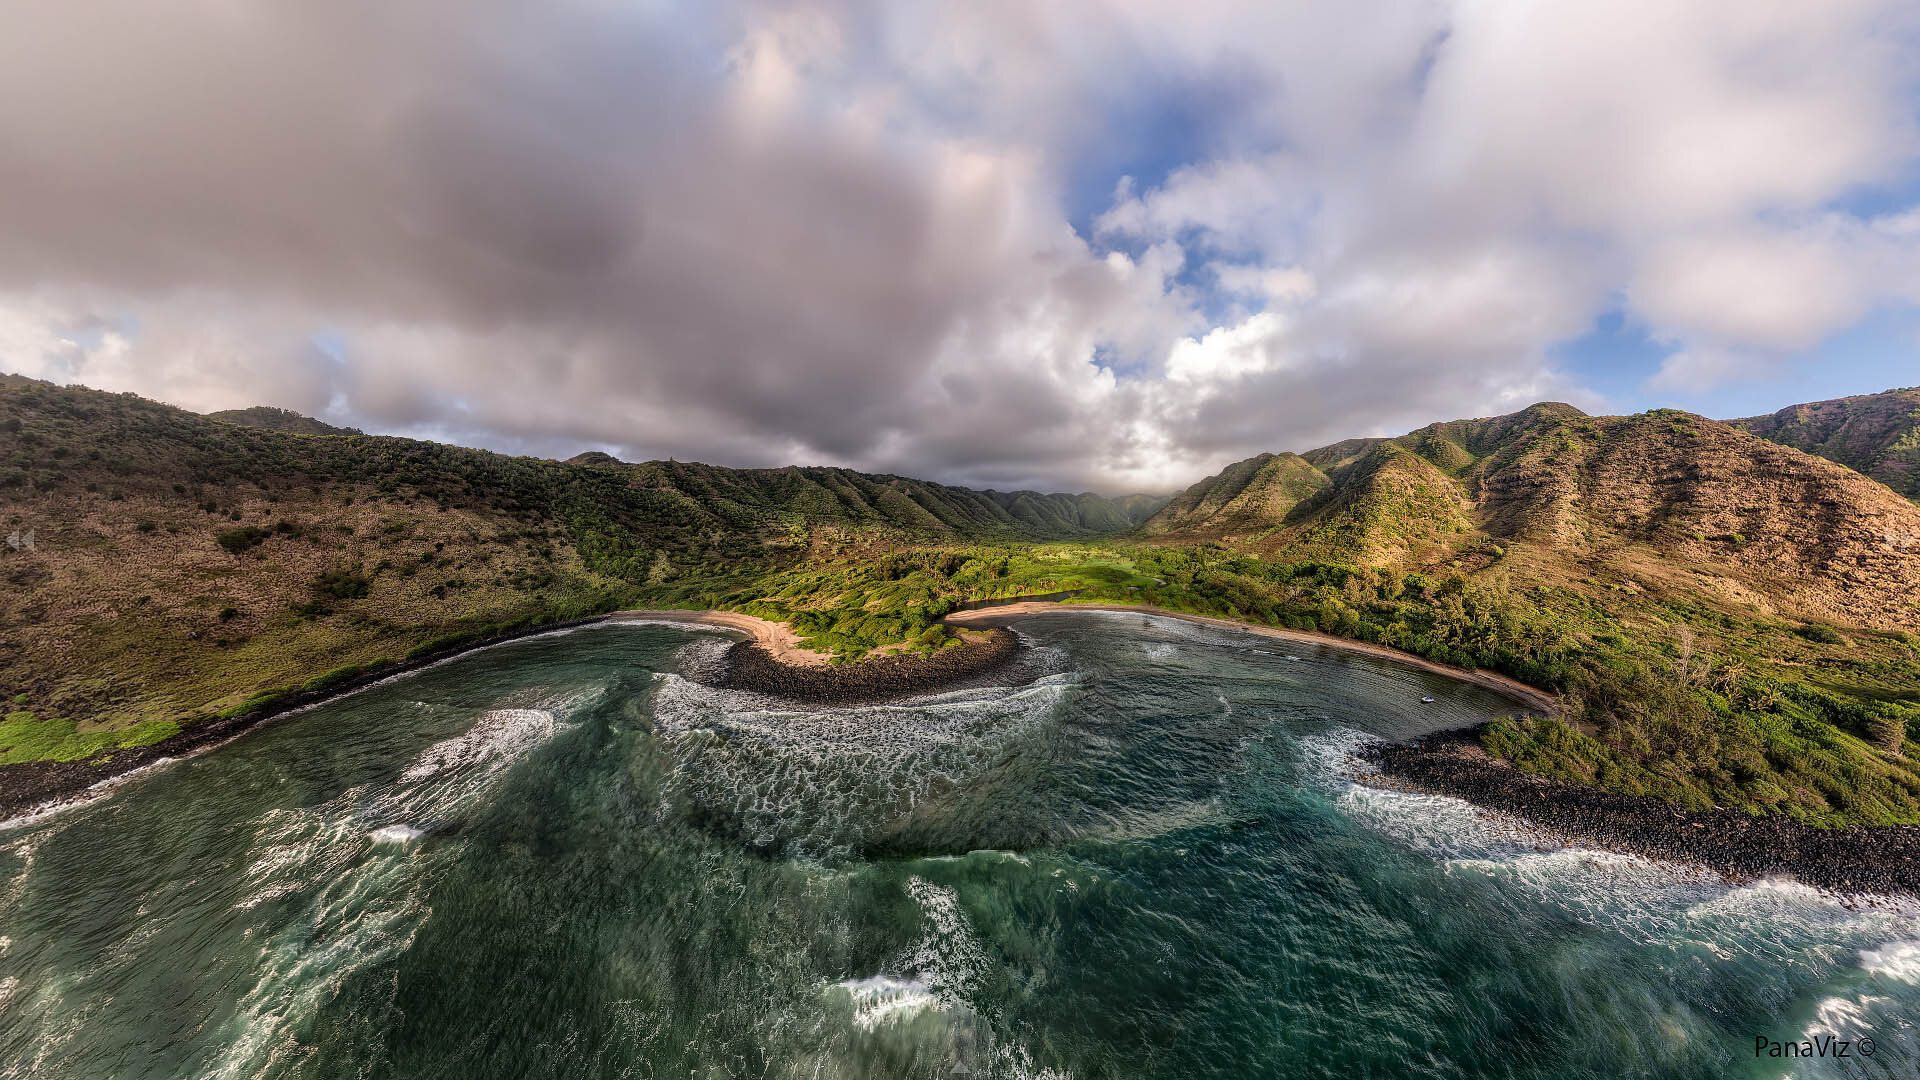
[{"x": 1535, "y": 699}]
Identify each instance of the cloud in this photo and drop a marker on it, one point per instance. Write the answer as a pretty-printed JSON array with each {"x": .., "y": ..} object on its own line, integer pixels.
[
  {"x": 757, "y": 233},
  {"x": 1700, "y": 369}
]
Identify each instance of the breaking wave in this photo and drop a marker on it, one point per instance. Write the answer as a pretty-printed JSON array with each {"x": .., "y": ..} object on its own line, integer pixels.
[{"x": 832, "y": 784}]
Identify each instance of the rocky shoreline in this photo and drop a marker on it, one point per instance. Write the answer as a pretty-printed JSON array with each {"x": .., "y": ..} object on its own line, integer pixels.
[
  {"x": 31, "y": 786},
  {"x": 1881, "y": 860},
  {"x": 990, "y": 612},
  {"x": 749, "y": 666},
  {"x": 1740, "y": 847}
]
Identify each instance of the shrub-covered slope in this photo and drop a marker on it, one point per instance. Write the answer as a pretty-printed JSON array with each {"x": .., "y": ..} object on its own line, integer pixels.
[
  {"x": 1730, "y": 620},
  {"x": 1874, "y": 434},
  {"x": 842, "y": 496},
  {"x": 1248, "y": 498},
  {"x": 1677, "y": 497},
  {"x": 160, "y": 566},
  {"x": 272, "y": 419}
]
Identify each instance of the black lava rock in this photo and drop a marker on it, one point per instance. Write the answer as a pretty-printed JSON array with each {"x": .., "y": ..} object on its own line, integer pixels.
[
  {"x": 882, "y": 678},
  {"x": 1883, "y": 860}
]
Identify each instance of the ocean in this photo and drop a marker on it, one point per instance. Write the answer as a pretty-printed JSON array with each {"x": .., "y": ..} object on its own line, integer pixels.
[{"x": 1144, "y": 853}]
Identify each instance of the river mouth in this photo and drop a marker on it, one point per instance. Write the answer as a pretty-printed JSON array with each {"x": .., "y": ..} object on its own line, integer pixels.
[{"x": 1144, "y": 858}]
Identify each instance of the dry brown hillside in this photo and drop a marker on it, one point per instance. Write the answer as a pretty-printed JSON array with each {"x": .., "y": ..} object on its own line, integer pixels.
[
  {"x": 1662, "y": 500},
  {"x": 159, "y": 565},
  {"x": 1874, "y": 434}
]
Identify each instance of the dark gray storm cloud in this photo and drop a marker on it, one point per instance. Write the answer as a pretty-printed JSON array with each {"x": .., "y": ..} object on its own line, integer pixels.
[{"x": 758, "y": 233}]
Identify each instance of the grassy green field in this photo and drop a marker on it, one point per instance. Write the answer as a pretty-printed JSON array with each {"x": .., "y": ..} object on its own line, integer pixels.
[
  {"x": 1645, "y": 569},
  {"x": 1667, "y": 698}
]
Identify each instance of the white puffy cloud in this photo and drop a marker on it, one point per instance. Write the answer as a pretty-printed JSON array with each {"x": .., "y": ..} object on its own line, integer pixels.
[
  {"x": 1702, "y": 368},
  {"x": 1641, "y": 115},
  {"x": 841, "y": 232},
  {"x": 1765, "y": 287}
]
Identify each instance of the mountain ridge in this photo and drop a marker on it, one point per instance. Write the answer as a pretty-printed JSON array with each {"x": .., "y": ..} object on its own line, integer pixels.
[
  {"x": 1877, "y": 435},
  {"x": 276, "y": 419},
  {"x": 1728, "y": 620},
  {"x": 1764, "y": 519}
]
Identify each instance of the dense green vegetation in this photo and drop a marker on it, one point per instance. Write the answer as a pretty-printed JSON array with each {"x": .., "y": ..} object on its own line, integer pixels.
[
  {"x": 187, "y": 568},
  {"x": 266, "y": 416},
  {"x": 24, "y": 737},
  {"x": 1673, "y": 699}
]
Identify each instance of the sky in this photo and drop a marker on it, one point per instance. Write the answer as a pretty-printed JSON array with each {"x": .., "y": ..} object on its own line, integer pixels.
[{"x": 1069, "y": 245}]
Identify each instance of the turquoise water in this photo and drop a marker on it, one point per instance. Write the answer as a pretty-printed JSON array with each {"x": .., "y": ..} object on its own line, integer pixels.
[{"x": 562, "y": 858}]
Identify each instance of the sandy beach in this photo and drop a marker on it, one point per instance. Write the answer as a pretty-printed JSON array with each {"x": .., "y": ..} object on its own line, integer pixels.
[
  {"x": 783, "y": 645},
  {"x": 1532, "y": 697},
  {"x": 778, "y": 664},
  {"x": 778, "y": 639}
]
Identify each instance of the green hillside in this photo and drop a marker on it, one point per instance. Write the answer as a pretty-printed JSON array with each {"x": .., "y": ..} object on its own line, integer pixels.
[
  {"x": 181, "y": 565},
  {"x": 820, "y": 495},
  {"x": 1875, "y": 434},
  {"x": 272, "y": 419},
  {"x": 1728, "y": 620}
]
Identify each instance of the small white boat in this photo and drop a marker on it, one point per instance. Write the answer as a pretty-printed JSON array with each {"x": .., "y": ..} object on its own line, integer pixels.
[{"x": 1426, "y": 701}]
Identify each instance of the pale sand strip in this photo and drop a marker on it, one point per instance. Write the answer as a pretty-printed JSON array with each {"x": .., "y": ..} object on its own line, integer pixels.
[
  {"x": 777, "y": 638},
  {"x": 780, "y": 640},
  {"x": 1532, "y": 697}
]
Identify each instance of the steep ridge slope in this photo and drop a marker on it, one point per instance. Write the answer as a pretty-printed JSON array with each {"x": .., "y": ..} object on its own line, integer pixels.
[
  {"x": 1730, "y": 622},
  {"x": 1694, "y": 503},
  {"x": 1391, "y": 507},
  {"x": 822, "y": 494},
  {"x": 272, "y": 419},
  {"x": 1337, "y": 456},
  {"x": 1246, "y": 498},
  {"x": 1874, "y": 434},
  {"x": 160, "y": 565},
  {"x": 1665, "y": 497}
]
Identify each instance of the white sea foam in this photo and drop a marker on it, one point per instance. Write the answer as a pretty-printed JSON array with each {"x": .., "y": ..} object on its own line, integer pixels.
[
  {"x": 93, "y": 793},
  {"x": 1015, "y": 1062},
  {"x": 358, "y": 919},
  {"x": 820, "y": 783},
  {"x": 364, "y": 907},
  {"x": 299, "y": 849},
  {"x": 938, "y": 972},
  {"x": 11, "y": 890},
  {"x": 1837, "y": 1018},
  {"x": 395, "y": 834},
  {"x": 1663, "y": 905},
  {"x": 878, "y": 999},
  {"x": 1849, "y": 1020},
  {"x": 1432, "y": 824},
  {"x": 1895, "y": 960},
  {"x": 948, "y": 957},
  {"x": 498, "y": 737},
  {"x": 1657, "y": 903},
  {"x": 1330, "y": 759}
]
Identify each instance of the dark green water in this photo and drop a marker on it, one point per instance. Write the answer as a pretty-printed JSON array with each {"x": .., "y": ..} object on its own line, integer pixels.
[{"x": 559, "y": 858}]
